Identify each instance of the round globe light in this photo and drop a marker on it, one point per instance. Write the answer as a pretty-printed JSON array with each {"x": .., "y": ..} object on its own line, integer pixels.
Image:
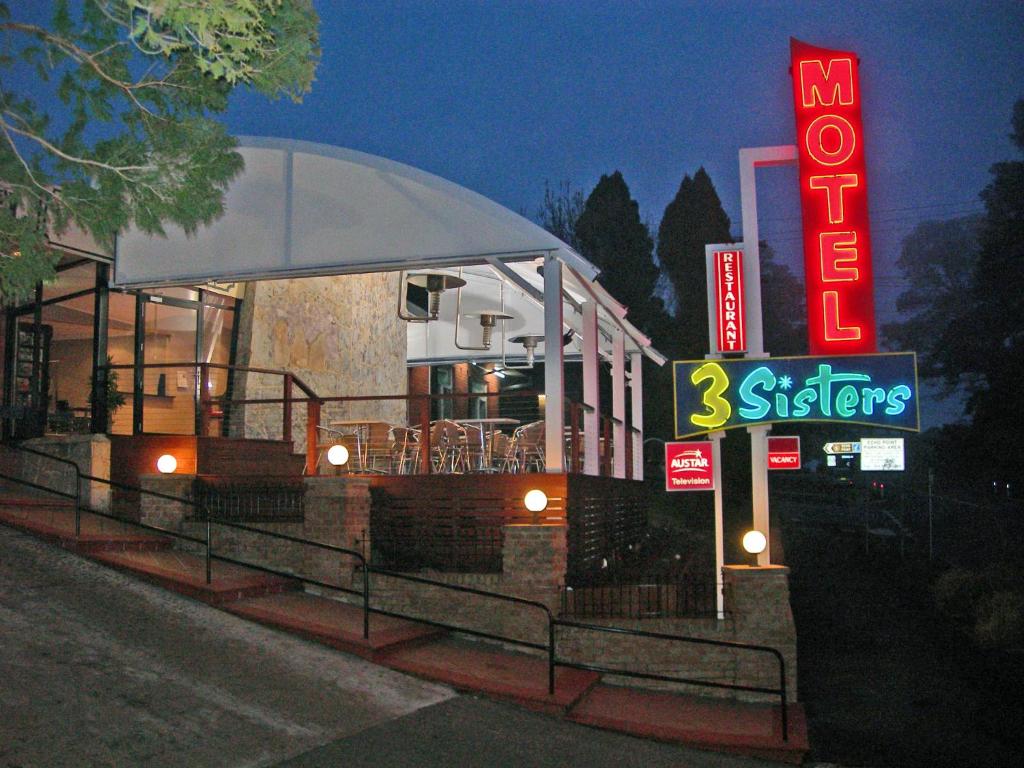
[
  {"x": 337, "y": 455},
  {"x": 754, "y": 542},
  {"x": 536, "y": 500},
  {"x": 166, "y": 464}
]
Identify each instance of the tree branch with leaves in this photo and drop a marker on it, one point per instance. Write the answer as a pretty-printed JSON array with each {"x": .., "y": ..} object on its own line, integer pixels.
[{"x": 107, "y": 115}]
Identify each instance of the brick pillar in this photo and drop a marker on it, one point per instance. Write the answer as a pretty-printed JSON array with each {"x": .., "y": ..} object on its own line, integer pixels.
[
  {"x": 757, "y": 600},
  {"x": 534, "y": 560},
  {"x": 164, "y": 513},
  {"x": 338, "y": 513}
]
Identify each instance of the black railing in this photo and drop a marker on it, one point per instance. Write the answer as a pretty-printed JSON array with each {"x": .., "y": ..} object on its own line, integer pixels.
[
  {"x": 251, "y": 500},
  {"x": 552, "y": 623},
  {"x": 453, "y": 545},
  {"x": 748, "y": 647},
  {"x": 642, "y": 598}
]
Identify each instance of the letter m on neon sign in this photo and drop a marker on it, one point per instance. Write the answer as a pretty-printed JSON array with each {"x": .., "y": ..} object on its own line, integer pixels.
[{"x": 824, "y": 85}]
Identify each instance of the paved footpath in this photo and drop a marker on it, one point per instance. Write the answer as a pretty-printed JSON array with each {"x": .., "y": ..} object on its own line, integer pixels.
[{"x": 98, "y": 669}]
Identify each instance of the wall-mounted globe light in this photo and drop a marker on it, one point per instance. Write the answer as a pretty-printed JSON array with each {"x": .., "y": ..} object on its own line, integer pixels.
[
  {"x": 166, "y": 464},
  {"x": 536, "y": 500}
]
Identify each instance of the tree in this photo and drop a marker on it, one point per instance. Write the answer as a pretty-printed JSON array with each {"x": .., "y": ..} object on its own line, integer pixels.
[
  {"x": 994, "y": 325},
  {"x": 784, "y": 319},
  {"x": 937, "y": 260},
  {"x": 131, "y": 85},
  {"x": 560, "y": 211},
  {"x": 693, "y": 219},
  {"x": 610, "y": 233}
]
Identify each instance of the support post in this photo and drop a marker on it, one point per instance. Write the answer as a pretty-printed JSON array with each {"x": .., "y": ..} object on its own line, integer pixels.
[
  {"x": 591, "y": 392},
  {"x": 750, "y": 160},
  {"x": 312, "y": 422},
  {"x": 554, "y": 386},
  {"x": 716, "y": 461},
  {"x": 619, "y": 404},
  {"x": 100, "y": 413},
  {"x": 636, "y": 389}
]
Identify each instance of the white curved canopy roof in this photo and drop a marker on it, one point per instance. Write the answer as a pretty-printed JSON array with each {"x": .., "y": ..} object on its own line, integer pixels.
[
  {"x": 302, "y": 208},
  {"x": 314, "y": 209}
]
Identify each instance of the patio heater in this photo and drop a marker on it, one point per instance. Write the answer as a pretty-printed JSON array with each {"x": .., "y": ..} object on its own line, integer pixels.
[{"x": 435, "y": 283}]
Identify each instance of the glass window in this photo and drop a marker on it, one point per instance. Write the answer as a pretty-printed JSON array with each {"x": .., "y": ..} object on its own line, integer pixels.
[{"x": 81, "y": 277}]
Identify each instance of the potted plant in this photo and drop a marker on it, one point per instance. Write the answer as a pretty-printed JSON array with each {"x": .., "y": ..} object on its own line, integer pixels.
[{"x": 114, "y": 399}]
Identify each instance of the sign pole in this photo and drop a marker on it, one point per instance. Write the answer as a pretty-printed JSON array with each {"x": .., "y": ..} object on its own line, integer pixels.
[
  {"x": 750, "y": 160},
  {"x": 716, "y": 454}
]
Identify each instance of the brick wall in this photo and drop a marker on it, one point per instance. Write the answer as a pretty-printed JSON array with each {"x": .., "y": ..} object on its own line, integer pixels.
[
  {"x": 533, "y": 559},
  {"x": 336, "y": 512}
]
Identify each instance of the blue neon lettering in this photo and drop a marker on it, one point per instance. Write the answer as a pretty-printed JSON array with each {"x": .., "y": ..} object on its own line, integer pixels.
[
  {"x": 897, "y": 397},
  {"x": 757, "y": 406}
]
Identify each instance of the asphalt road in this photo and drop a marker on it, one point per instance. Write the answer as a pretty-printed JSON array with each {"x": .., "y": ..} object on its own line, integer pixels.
[{"x": 99, "y": 669}]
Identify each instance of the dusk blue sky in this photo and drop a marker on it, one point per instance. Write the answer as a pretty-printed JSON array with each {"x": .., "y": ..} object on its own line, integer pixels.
[{"x": 500, "y": 96}]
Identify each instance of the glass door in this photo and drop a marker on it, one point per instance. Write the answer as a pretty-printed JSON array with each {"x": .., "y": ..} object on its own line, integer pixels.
[
  {"x": 166, "y": 384},
  {"x": 31, "y": 377}
]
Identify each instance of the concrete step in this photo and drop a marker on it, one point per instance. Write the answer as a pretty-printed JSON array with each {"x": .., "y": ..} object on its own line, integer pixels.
[
  {"x": 333, "y": 623},
  {"x": 722, "y": 725},
  {"x": 56, "y": 524},
  {"x": 488, "y": 668},
  {"x": 185, "y": 574}
]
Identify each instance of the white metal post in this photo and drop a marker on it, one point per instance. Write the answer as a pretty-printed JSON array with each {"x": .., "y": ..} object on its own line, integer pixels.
[
  {"x": 750, "y": 160},
  {"x": 619, "y": 404},
  {"x": 554, "y": 358},
  {"x": 716, "y": 461},
  {"x": 591, "y": 391},
  {"x": 636, "y": 390}
]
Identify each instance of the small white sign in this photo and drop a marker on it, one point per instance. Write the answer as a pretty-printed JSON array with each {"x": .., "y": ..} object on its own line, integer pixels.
[{"x": 881, "y": 454}]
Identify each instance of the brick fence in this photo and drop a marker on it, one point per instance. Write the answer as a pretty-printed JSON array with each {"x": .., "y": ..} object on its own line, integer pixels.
[{"x": 533, "y": 567}]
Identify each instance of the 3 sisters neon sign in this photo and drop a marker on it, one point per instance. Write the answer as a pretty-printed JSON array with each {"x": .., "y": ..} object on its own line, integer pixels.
[
  {"x": 833, "y": 195},
  {"x": 879, "y": 390}
]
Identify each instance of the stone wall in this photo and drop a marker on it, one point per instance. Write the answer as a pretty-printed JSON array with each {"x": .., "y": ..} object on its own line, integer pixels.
[
  {"x": 340, "y": 335},
  {"x": 90, "y": 452}
]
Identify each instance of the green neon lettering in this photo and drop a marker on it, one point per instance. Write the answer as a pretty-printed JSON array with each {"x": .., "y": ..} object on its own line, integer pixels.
[
  {"x": 782, "y": 405},
  {"x": 846, "y": 401},
  {"x": 802, "y": 401},
  {"x": 871, "y": 395},
  {"x": 824, "y": 381}
]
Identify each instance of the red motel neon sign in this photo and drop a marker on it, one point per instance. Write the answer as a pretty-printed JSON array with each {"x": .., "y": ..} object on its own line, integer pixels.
[
  {"x": 833, "y": 195},
  {"x": 732, "y": 331}
]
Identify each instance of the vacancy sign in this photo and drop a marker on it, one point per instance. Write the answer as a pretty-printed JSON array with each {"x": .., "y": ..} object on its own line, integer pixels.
[
  {"x": 783, "y": 452},
  {"x": 728, "y": 277},
  {"x": 689, "y": 467}
]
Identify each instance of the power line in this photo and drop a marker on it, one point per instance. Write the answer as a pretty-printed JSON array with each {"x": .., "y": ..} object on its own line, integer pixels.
[{"x": 873, "y": 212}]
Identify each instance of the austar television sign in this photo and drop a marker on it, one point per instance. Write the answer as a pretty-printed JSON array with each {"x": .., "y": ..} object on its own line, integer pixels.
[
  {"x": 879, "y": 390},
  {"x": 689, "y": 467},
  {"x": 834, "y": 201}
]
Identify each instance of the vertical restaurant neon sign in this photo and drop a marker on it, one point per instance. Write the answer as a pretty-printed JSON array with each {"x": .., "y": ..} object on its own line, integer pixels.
[
  {"x": 732, "y": 331},
  {"x": 833, "y": 196}
]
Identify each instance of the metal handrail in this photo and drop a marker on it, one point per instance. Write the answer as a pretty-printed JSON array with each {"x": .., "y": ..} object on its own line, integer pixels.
[
  {"x": 552, "y": 622},
  {"x": 220, "y": 366},
  {"x": 77, "y": 495},
  {"x": 209, "y": 522},
  {"x": 780, "y": 691}
]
